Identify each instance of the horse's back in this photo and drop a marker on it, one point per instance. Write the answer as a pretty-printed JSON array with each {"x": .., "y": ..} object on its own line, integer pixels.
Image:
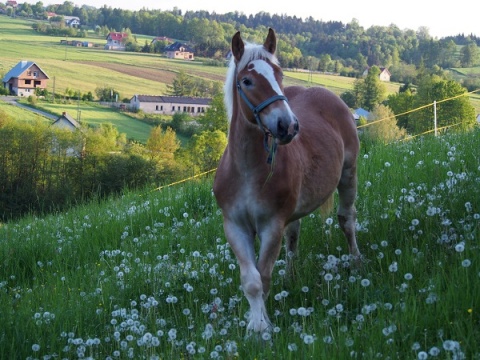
[{"x": 322, "y": 115}]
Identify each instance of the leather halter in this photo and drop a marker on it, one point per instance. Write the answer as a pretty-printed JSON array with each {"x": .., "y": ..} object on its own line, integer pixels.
[{"x": 256, "y": 112}]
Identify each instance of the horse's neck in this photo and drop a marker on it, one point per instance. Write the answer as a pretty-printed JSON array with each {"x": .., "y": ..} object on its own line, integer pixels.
[{"x": 245, "y": 143}]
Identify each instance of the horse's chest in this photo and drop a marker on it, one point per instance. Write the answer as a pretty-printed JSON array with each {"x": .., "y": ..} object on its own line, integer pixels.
[{"x": 243, "y": 200}]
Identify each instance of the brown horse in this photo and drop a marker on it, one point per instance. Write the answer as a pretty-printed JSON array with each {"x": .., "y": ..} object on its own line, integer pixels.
[{"x": 266, "y": 193}]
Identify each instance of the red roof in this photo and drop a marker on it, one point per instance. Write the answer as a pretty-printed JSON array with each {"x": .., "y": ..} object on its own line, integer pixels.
[{"x": 117, "y": 35}]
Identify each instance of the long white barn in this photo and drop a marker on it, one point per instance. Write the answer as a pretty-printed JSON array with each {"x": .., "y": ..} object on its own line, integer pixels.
[{"x": 169, "y": 105}]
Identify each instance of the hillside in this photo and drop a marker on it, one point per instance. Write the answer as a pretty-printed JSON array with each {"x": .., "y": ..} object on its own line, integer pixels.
[
  {"x": 85, "y": 69},
  {"x": 149, "y": 274}
]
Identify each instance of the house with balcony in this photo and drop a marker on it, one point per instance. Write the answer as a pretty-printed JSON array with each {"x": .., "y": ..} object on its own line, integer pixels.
[
  {"x": 177, "y": 50},
  {"x": 24, "y": 78},
  {"x": 116, "y": 41}
]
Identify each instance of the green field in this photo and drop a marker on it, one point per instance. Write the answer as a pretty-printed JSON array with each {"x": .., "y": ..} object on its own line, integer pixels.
[
  {"x": 18, "y": 113},
  {"x": 148, "y": 275},
  {"x": 93, "y": 114}
]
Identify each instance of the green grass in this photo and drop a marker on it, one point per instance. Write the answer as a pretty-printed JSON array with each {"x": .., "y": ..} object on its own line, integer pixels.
[
  {"x": 149, "y": 274},
  {"x": 18, "y": 113},
  {"x": 92, "y": 114}
]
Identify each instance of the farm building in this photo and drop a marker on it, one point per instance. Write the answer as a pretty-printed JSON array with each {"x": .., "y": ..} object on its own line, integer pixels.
[
  {"x": 178, "y": 50},
  {"x": 116, "y": 41},
  {"x": 24, "y": 78},
  {"x": 169, "y": 105}
]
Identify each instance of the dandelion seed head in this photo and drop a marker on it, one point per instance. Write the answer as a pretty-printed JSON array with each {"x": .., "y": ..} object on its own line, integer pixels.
[
  {"x": 365, "y": 282},
  {"x": 308, "y": 339},
  {"x": 466, "y": 263},
  {"x": 292, "y": 347},
  {"x": 422, "y": 355},
  {"x": 434, "y": 351}
]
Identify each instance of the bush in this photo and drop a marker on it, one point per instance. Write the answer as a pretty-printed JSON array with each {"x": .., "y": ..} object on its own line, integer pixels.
[{"x": 32, "y": 100}]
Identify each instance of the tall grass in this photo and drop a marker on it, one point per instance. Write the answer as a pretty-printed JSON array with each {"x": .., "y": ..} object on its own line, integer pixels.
[{"x": 149, "y": 275}]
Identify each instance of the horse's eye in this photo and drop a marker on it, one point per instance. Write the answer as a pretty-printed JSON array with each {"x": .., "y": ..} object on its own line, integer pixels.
[{"x": 246, "y": 82}]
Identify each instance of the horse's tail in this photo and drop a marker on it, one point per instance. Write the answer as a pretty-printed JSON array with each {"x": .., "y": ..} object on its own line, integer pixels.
[{"x": 327, "y": 207}]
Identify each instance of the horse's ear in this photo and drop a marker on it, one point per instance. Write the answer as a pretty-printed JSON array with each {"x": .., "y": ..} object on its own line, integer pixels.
[
  {"x": 271, "y": 41},
  {"x": 237, "y": 46}
]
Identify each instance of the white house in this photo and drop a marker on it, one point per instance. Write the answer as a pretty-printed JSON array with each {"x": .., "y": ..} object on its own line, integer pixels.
[
  {"x": 383, "y": 76},
  {"x": 66, "y": 122},
  {"x": 72, "y": 21},
  {"x": 116, "y": 41}
]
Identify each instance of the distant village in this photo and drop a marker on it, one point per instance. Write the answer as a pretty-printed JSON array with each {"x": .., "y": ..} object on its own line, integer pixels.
[{"x": 27, "y": 76}]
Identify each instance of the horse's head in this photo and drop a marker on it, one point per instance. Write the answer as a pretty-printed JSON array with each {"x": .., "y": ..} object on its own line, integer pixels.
[{"x": 258, "y": 79}]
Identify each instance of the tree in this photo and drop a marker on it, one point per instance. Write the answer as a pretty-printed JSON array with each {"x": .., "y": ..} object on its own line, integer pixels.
[
  {"x": 384, "y": 129},
  {"x": 470, "y": 55},
  {"x": 451, "y": 107},
  {"x": 104, "y": 139},
  {"x": 371, "y": 90},
  {"x": 349, "y": 98},
  {"x": 162, "y": 145},
  {"x": 324, "y": 62},
  {"x": 206, "y": 149},
  {"x": 107, "y": 93},
  {"x": 181, "y": 86},
  {"x": 401, "y": 104},
  {"x": 215, "y": 118}
]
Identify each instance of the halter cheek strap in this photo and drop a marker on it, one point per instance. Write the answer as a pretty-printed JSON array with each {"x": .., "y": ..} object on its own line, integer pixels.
[{"x": 256, "y": 112}]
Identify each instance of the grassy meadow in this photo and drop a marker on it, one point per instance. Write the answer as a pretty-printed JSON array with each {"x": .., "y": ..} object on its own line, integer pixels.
[
  {"x": 93, "y": 114},
  {"x": 149, "y": 275}
]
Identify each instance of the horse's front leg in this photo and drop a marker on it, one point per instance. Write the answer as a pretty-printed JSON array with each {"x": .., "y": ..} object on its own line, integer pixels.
[
  {"x": 241, "y": 241},
  {"x": 270, "y": 246}
]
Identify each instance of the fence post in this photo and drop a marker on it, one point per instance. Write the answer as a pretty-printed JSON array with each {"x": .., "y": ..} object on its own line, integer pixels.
[{"x": 435, "y": 116}]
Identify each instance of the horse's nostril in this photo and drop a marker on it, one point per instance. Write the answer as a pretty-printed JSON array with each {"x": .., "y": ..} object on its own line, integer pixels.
[
  {"x": 282, "y": 129},
  {"x": 296, "y": 127}
]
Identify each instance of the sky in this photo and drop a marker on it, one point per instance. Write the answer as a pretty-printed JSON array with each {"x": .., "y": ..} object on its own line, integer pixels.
[{"x": 441, "y": 20}]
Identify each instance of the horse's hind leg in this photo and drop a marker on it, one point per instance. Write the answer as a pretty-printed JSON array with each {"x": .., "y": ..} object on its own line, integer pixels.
[
  {"x": 347, "y": 191},
  {"x": 291, "y": 235}
]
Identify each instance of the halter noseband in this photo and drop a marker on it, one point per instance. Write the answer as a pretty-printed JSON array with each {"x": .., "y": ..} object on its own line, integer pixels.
[{"x": 256, "y": 112}]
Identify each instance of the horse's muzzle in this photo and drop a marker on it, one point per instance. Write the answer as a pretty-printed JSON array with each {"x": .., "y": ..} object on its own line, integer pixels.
[{"x": 287, "y": 128}]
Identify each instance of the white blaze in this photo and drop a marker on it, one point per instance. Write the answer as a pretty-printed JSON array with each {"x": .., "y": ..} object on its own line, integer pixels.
[{"x": 262, "y": 68}]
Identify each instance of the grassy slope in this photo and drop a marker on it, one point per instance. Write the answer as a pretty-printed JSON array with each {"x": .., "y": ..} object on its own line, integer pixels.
[
  {"x": 104, "y": 278},
  {"x": 95, "y": 115}
]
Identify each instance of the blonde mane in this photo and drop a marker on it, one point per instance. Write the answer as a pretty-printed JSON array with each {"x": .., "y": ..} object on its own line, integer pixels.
[{"x": 251, "y": 52}]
